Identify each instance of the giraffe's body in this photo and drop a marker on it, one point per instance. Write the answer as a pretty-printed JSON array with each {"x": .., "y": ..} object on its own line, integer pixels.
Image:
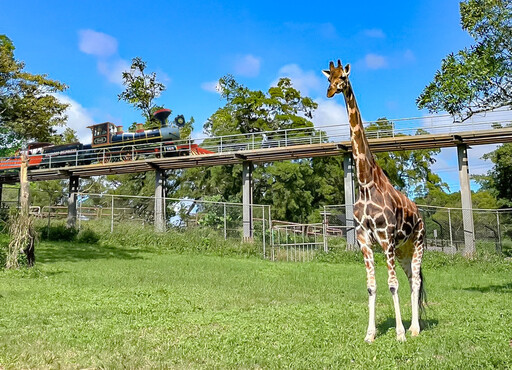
[{"x": 383, "y": 216}]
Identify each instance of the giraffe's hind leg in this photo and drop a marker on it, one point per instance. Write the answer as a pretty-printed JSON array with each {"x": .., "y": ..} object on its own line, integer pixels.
[
  {"x": 365, "y": 244},
  {"x": 410, "y": 257},
  {"x": 389, "y": 250}
]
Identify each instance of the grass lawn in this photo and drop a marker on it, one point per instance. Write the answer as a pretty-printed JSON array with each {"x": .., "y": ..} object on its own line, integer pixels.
[{"x": 102, "y": 306}]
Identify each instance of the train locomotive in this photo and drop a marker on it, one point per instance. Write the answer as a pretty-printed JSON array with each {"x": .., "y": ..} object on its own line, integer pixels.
[{"x": 111, "y": 144}]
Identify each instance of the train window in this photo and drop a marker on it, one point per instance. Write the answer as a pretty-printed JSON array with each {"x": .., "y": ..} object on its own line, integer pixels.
[{"x": 100, "y": 130}]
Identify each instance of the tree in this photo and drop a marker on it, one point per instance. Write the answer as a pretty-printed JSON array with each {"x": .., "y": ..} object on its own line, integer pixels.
[
  {"x": 498, "y": 179},
  {"x": 478, "y": 78},
  {"x": 296, "y": 189},
  {"x": 28, "y": 108},
  {"x": 141, "y": 88},
  {"x": 247, "y": 111},
  {"x": 408, "y": 170}
]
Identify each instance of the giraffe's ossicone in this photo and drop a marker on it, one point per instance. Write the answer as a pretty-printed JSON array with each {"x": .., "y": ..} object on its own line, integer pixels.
[{"x": 384, "y": 216}]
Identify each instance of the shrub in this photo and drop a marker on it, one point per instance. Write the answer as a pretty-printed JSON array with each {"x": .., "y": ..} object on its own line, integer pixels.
[
  {"x": 58, "y": 233},
  {"x": 88, "y": 236}
]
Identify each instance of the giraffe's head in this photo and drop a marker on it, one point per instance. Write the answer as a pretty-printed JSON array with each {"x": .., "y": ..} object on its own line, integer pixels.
[{"x": 338, "y": 78}]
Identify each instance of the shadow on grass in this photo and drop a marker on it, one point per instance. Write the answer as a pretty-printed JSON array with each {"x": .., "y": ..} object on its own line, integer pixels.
[
  {"x": 504, "y": 288},
  {"x": 48, "y": 252},
  {"x": 390, "y": 322}
]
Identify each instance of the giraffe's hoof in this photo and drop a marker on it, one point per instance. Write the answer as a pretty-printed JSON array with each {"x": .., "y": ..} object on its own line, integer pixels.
[
  {"x": 414, "y": 332},
  {"x": 400, "y": 337},
  {"x": 370, "y": 337}
]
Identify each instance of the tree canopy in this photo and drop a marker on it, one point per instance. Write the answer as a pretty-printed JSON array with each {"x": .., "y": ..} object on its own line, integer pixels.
[
  {"x": 478, "y": 78},
  {"x": 141, "y": 88},
  {"x": 29, "y": 109},
  {"x": 246, "y": 111},
  {"x": 408, "y": 170}
]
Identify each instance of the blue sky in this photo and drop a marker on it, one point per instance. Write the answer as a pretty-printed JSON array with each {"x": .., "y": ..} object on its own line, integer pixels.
[{"x": 394, "y": 47}]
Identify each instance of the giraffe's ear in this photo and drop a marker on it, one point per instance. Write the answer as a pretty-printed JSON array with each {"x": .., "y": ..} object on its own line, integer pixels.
[
  {"x": 347, "y": 69},
  {"x": 326, "y": 73}
]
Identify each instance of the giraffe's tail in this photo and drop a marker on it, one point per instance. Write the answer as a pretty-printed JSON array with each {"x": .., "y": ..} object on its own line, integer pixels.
[{"x": 422, "y": 296}]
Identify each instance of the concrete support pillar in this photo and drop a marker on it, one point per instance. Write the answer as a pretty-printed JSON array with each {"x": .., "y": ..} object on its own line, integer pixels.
[
  {"x": 247, "y": 188},
  {"x": 348, "y": 181},
  {"x": 467, "y": 205},
  {"x": 160, "y": 200},
  {"x": 74, "y": 182}
]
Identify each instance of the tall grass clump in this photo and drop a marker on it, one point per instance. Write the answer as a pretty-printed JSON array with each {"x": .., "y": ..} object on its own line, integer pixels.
[
  {"x": 22, "y": 240},
  {"x": 197, "y": 240}
]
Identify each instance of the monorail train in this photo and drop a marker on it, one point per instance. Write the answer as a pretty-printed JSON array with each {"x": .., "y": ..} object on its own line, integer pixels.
[{"x": 109, "y": 144}]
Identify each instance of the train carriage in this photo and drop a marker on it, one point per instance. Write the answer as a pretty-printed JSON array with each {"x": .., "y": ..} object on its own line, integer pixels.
[{"x": 110, "y": 144}]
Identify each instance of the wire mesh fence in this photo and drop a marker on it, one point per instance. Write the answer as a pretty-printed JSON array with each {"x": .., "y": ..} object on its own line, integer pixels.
[
  {"x": 445, "y": 230},
  {"x": 297, "y": 242},
  {"x": 279, "y": 240},
  {"x": 112, "y": 212}
]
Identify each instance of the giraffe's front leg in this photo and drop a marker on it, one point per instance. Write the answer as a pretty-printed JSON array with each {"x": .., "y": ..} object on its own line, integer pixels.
[
  {"x": 365, "y": 245},
  {"x": 389, "y": 249}
]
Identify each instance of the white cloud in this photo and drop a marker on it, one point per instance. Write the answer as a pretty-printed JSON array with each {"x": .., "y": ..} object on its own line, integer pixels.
[
  {"x": 304, "y": 81},
  {"x": 113, "y": 70},
  {"x": 375, "y": 61},
  {"x": 334, "y": 115},
  {"x": 78, "y": 118},
  {"x": 212, "y": 86},
  {"x": 247, "y": 65},
  {"x": 104, "y": 48},
  {"x": 97, "y": 43},
  {"x": 375, "y": 33}
]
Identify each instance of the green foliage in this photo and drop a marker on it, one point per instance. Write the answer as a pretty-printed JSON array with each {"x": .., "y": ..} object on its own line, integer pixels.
[
  {"x": 246, "y": 111},
  {"x": 28, "y": 108},
  {"x": 408, "y": 170},
  {"x": 141, "y": 88},
  {"x": 498, "y": 179},
  {"x": 294, "y": 188},
  {"x": 477, "y": 78},
  {"x": 88, "y": 236},
  {"x": 58, "y": 233}
]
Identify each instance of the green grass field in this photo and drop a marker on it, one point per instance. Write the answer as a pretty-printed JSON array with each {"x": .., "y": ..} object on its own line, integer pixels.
[{"x": 107, "y": 306}]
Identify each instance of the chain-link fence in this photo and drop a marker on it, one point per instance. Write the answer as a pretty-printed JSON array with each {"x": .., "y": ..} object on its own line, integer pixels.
[
  {"x": 112, "y": 212},
  {"x": 445, "y": 228},
  {"x": 297, "y": 242},
  {"x": 279, "y": 240}
]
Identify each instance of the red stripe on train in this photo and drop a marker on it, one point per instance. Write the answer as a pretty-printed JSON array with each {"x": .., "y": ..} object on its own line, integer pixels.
[{"x": 12, "y": 163}]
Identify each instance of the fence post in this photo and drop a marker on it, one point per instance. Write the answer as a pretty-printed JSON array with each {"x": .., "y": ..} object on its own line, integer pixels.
[
  {"x": 225, "y": 223},
  {"x": 450, "y": 227},
  {"x": 499, "y": 249},
  {"x": 112, "y": 215},
  {"x": 79, "y": 211},
  {"x": 324, "y": 231},
  {"x": 271, "y": 231},
  {"x": 263, "y": 229},
  {"x": 348, "y": 183},
  {"x": 72, "y": 197},
  {"x": 465, "y": 195}
]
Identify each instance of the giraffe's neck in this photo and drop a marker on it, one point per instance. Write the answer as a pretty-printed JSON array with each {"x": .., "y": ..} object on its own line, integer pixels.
[{"x": 363, "y": 158}]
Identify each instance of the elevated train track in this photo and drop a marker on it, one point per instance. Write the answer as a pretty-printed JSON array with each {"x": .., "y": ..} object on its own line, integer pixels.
[{"x": 276, "y": 152}]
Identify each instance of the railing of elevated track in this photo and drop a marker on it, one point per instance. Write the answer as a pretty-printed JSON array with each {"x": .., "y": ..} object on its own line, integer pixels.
[{"x": 439, "y": 124}]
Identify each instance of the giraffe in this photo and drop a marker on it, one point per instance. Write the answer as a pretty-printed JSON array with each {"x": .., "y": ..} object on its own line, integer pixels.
[{"x": 383, "y": 216}]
